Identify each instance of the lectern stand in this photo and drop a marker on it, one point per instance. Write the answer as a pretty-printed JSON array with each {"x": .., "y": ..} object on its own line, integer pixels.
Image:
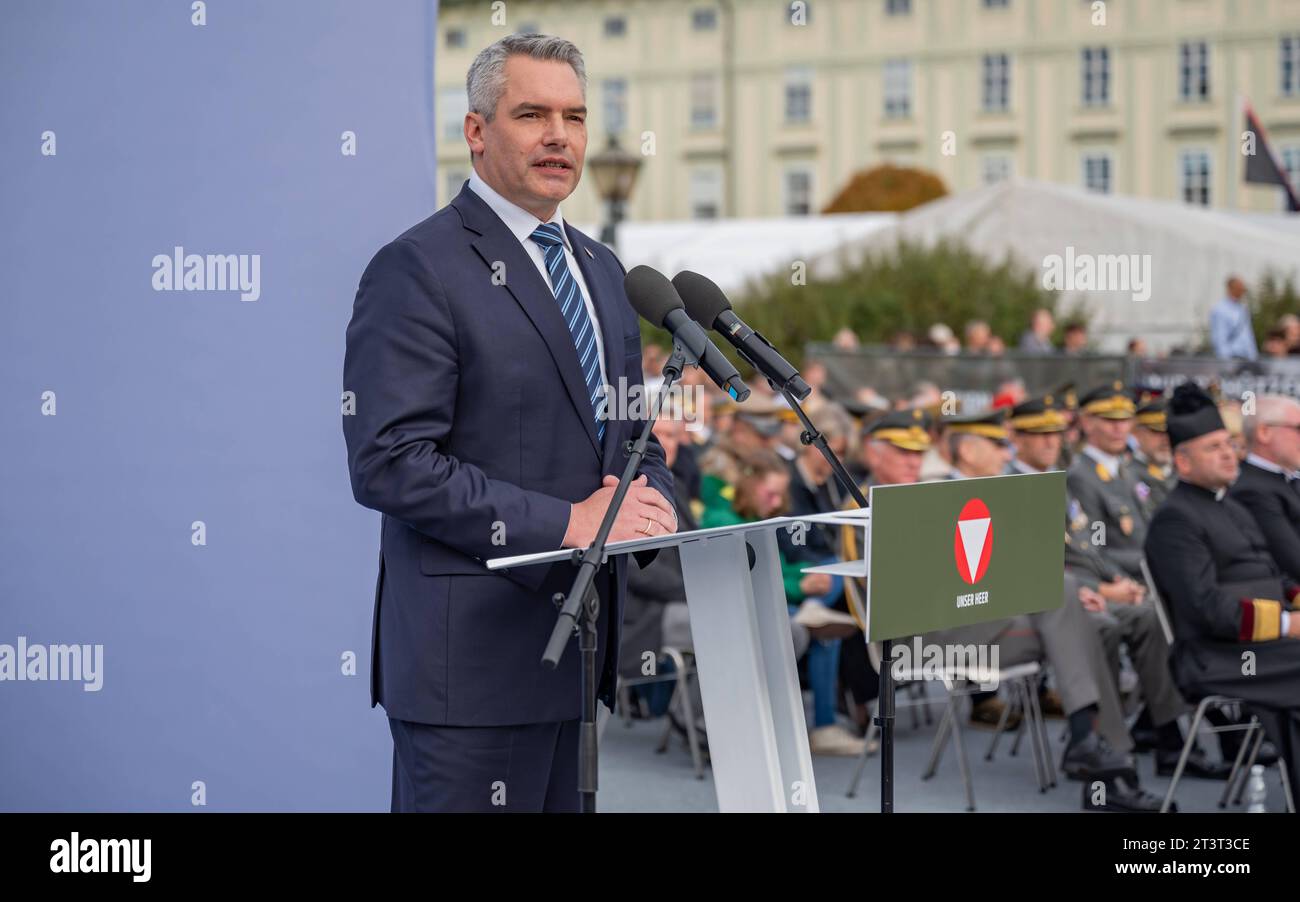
[{"x": 744, "y": 658}]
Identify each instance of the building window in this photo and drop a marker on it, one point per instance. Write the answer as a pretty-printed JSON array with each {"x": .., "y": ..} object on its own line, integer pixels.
[
  {"x": 798, "y": 95},
  {"x": 454, "y": 38},
  {"x": 1097, "y": 172},
  {"x": 704, "y": 19},
  {"x": 898, "y": 7},
  {"x": 1096, "y": 76},
  {"x": 997, "y": 82},
  {"x": 614, "y": 104},
  {"x": 454, "y": 179},
  {"x": 453, "y": 104},
  {"x": 1289, "y": 65},
  {"x": 1193, "y": 71},
  {"x": 706, "y": 193},
  {"x": 798, "y": 191},
  {"x": 898, "y": 89},
  {"x": 704, "y": 101},
  {"x": 615, "y": 27},
  {"x": 994, "y": 168},
  {"x": 1194, "y": 177},
  {"x": 1289, "y": 157}
]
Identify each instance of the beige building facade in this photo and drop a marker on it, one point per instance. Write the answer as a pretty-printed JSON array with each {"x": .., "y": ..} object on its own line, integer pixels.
[{"x": 757, "y": 108}]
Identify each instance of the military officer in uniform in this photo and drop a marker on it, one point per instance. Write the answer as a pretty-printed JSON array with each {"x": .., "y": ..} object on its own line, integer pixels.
[
  {"x": 1151, "y": 453},
  {"x": 977, "y": 444},
  {"x": 1120, "y": 616},
  {"x": 1103, "y": 481},
  {"x": 1235, "y": 626}
]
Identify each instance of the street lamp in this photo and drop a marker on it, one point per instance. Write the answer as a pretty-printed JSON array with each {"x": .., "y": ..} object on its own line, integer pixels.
[{"x": 615, "y": 172}]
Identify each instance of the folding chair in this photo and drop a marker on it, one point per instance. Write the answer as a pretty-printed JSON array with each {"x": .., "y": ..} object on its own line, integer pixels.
[
  {"x": 1237, "y": 778},
  {"x": 680, "y": 700}
]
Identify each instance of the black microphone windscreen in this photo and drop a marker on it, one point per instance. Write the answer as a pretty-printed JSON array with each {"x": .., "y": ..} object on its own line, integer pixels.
[
  {"x": 704, "y": 300},
  {"x": 651, "y": 295}
]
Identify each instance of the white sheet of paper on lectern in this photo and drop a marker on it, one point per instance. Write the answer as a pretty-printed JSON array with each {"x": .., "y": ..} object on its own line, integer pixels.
[{"x": 744, "y": 656}]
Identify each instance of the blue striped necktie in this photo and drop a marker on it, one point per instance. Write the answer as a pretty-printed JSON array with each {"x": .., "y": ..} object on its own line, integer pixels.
[{"x": 574, "y": 311}]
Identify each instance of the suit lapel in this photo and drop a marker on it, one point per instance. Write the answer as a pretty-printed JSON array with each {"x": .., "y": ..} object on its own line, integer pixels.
[{"x": 496, "y": 244}]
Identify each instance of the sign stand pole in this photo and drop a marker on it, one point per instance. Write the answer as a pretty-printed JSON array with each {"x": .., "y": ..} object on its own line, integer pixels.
[{"x": 885, "y": 720}]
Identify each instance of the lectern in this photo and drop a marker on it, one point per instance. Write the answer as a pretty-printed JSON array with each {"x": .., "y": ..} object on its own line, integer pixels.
[{"x": 744, "y": 658}]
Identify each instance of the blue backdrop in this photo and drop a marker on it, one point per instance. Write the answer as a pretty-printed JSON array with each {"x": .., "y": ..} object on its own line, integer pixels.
[{"x": 222, "y": 663}]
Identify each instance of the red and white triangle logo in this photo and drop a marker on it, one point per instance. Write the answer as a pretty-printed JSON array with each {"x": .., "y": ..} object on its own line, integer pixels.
[{"x": 972, "y": 544}]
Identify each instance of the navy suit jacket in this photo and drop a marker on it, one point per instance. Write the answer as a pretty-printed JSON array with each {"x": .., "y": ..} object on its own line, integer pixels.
[
  {"x": 472, "y": 434},
  {"x": 1275, "y": 505}
]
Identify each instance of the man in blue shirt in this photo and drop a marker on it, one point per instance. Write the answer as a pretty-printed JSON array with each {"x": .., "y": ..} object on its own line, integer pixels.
[{"x": 1231, "y": 334}]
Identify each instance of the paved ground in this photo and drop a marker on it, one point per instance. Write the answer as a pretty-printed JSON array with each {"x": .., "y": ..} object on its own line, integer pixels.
[{"x": 633, "y": 778}]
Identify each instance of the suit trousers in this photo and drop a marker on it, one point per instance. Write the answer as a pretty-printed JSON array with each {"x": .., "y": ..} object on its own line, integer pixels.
[
  {"x": 1138, "y": 626},
  {"x": 517, "y": 768}
]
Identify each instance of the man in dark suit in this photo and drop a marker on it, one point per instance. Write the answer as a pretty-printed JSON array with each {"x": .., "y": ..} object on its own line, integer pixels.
[
  {"x": 482, "y": 346},
  {"x": 1268, "y": 486},
  {"x": 1234, "y": 622}
]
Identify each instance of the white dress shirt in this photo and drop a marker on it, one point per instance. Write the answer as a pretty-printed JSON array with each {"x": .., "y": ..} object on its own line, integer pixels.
[
  {"x": 1110, "y": 461},
  {"x": 1268, "y": 465},
  {"x": 522, "y": 224}
]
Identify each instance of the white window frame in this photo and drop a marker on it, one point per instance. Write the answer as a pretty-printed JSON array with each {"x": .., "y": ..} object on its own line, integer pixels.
[
  {"x": 453, "y": 104},
  {"x": 798, "y": 95},
  {"x": 1288, "y": 158},
  {"x": 995, "y": 82},
  {"x": 1102, "y": 158},
  {"x": 1288, "y": 65},
  {"x": 1194, "y": 71},
  {"x": 613, "y": 105},
  {"x": 1000, "y": 160},
  {"x": 705, "y": 190},
  {"x": 1094, "y": 76},
  {"x": 704, "y": 101},
  {"x": 896, "y": 78},
  {"x": 788, "y": 190},
  {"x": 1188, "y": 179}
]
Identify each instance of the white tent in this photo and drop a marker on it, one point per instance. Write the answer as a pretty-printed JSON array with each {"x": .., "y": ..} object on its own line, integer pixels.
[
  {"x": 733, "y": 251},
  {"x": 1191, "y": 251}
]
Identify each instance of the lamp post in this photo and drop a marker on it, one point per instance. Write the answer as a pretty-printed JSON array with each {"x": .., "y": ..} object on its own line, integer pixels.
[{"x": 615, "y": 171}]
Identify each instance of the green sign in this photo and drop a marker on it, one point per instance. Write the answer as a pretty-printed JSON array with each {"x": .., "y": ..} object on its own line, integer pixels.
[{"x": 951, "y": 553}]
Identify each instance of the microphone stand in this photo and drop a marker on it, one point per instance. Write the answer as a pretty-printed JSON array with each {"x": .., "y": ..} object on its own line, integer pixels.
[
  {"x": 885, "y": 715},
  {"x": 582, "y": 597}
]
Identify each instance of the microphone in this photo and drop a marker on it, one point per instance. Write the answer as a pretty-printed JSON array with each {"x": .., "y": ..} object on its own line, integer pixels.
[
  {"x": 709, "y": 307},
  {"x": 655, "y": 299}
]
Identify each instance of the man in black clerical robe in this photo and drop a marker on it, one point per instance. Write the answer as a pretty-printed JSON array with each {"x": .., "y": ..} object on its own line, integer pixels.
[{"x": 1234, "y": 623}]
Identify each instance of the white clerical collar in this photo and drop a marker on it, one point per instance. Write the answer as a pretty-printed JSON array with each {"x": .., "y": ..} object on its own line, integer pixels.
[
  {"x": 1217, "y": 493},
  {"x": 1256, "y": 460},
  {"x": 1109, "y": 461},
  {"x": 519, "y": 221}
]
